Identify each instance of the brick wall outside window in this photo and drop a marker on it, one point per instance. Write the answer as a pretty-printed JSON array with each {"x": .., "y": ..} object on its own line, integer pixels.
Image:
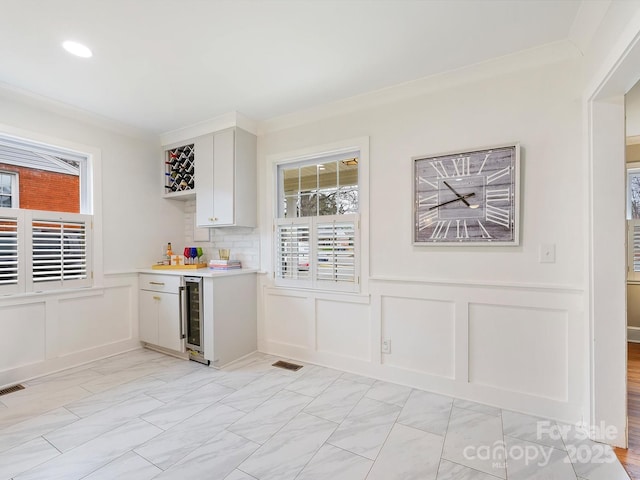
[{"x": 43, "y": 190}]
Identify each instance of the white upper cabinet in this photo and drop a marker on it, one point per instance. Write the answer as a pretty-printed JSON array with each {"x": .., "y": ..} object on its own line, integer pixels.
[
  {"x": 226, "y": 185},
  {"x": 220, "y": 170}
]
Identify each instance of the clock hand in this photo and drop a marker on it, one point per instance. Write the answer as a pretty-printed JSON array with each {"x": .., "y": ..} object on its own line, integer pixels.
[
  {"x": 454, "y": 200},
  {"x": 459, "y": 196}
]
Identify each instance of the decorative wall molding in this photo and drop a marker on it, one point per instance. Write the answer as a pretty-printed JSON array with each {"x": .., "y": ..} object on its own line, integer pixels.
[
  {"x": 439, "y": 333},
  {"x": 66, "y": 329}
]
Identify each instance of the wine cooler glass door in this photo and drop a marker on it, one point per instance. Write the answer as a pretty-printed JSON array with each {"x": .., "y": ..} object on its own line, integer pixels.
[{"x": 194, "y": 313}]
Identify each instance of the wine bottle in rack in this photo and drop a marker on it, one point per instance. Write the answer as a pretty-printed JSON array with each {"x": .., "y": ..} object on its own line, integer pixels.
[{"x": 180, "y": 168}]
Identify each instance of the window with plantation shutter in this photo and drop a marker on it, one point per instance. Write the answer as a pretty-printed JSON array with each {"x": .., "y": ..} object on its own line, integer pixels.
[
  {"x": 60, "y": 251},
  {"x": 9, "y": 259},
  {"x": 316, "y": 232},
  {"x": 46, "y": 219},
  {"x": 633, "y": 245}
]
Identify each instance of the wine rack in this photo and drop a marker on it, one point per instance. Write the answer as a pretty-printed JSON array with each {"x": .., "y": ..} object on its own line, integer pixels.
[{"x": 180, "y": 169}]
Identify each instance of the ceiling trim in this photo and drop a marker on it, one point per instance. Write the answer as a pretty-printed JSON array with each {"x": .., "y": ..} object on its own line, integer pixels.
[
  {"x": 551, "y": 53},
  {"x": 231, "y": 119},
  {"x": 56, "y": 107},
  {"x": 587, "y": 22}
]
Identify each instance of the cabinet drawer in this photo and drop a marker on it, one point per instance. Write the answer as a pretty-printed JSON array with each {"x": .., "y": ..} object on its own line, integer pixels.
[{"x": 159, "y": 283}]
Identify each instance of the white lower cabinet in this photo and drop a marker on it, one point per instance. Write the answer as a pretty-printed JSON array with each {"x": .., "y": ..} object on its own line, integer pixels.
[
  {"x": 159, "y": 313},
  {"x": 228, "y": 317},
  {"x": 230, "y": 331}
]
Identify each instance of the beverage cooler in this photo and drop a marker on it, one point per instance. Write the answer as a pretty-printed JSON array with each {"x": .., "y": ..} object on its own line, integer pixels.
[{"x": 191, "y": 317}]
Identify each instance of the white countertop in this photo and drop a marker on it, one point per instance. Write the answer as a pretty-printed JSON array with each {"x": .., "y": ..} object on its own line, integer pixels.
[{"x": 199, "y": 272}]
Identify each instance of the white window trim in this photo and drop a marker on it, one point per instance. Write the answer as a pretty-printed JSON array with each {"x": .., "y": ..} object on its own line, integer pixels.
[
  {"x": 360, "y": 144},
  {"x": 90, "y": 193},
  {"x": 15, "y": 187}
]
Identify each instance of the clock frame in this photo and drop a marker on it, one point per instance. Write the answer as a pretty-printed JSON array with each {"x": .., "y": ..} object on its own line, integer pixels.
[{"x": 467, "y": 198}]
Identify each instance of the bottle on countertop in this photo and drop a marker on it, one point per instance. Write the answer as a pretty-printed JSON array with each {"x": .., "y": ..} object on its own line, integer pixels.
[{"x": 168, "y": 255}]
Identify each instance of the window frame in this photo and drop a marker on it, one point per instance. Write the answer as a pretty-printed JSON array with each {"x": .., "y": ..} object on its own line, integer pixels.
[
  {"x": 15, "y": 188},
  {"x": 313, "y": 162},
  {"x": 312, "y": 155},
  {"x": 90, "y": 206},
  {"x": 632, "y": 170}
]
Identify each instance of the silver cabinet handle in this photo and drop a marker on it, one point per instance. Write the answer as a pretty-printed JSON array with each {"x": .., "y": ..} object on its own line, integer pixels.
[
  {"x": 181, "y": 302},
  {"x": 156, "y": 283}
]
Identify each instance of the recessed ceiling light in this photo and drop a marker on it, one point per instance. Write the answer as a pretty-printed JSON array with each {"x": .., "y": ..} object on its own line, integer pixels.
[{"x": 77, "y": 49}]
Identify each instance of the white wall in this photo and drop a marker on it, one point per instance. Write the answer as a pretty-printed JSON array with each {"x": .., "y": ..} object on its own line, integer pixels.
[
  {"x": 42, "y": 333},
  {"x": 491, "y": 324}
]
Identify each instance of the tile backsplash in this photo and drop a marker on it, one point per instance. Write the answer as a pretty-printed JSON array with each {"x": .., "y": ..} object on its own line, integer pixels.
[{"x": 244, "y": 243}]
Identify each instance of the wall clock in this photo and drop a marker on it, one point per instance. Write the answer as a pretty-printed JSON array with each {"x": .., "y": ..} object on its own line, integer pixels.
[{"x": 468, "y": 198}]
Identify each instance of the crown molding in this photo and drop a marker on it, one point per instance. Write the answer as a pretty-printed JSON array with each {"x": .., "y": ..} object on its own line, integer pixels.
[
  {"x": 551, "y": 53},
  {"x": 588, "y": 20},
  {"x": 227, "y": 120},
  {"x": 41, "y": 102}
]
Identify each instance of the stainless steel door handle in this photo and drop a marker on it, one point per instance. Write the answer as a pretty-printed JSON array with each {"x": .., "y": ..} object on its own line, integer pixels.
[{"x": 181, "y": 302}]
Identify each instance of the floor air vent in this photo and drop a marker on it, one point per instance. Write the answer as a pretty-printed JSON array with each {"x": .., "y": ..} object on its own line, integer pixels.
[
  {"x": 8, "y": 390},
  {"x": 286, "y": 365}
]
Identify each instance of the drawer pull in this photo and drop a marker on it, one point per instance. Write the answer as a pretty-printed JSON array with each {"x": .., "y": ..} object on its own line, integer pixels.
[
  {"x": 156, "y": 283},
  {"x": 156, "y": 298}
]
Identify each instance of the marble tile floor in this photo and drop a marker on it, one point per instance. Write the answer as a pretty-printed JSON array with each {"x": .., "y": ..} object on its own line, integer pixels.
[{"x": 143, "y": 415}]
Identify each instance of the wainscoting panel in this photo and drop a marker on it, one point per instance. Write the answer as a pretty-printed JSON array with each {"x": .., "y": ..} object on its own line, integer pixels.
[
  {"x": 47, "y": 332},
  {"x": 521, "y": 349},
  {"x": 422, "y": 335},
  {"x": 288, "y": 320},
  {"x": 343, "y": 329},
  {"x": 22, "y": 341},
  {"x": 88, "y": 322}
]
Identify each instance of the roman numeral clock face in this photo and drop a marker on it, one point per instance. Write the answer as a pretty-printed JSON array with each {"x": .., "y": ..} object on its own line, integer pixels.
[{"x": 467, "y": 198}]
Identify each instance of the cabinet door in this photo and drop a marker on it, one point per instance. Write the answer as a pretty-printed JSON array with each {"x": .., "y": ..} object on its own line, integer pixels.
[
  {"x": 148, "y": 316},
  {"x": 204, "y": 180},
  {"x": 169, "y": 322},
  {"x": 224, "y": 177}
]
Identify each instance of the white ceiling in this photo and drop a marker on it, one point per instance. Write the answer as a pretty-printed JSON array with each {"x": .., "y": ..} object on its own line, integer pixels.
[{"x": 164, "y": 64}]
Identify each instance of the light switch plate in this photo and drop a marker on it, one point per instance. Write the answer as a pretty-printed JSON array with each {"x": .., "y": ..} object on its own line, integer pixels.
[
  {"x": 547, "y": 253},
  {"x": 386, "y": 346}
]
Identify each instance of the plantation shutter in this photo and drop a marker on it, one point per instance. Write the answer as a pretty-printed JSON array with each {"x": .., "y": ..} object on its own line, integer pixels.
[
  {"x": 633, "y": 246},
  {"x": 10, "y": 241},
  {"x": 293, "y": 241},
  {"x": 318, "y": 252},
  {"x": 60, "y": 251},
  {"x": 336, "y": 251}
]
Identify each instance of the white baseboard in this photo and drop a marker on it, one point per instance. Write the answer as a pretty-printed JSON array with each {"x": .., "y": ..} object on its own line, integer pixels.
[
  {"x": 633, "y": 334},
  {"x": 46, "y": 367}
]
